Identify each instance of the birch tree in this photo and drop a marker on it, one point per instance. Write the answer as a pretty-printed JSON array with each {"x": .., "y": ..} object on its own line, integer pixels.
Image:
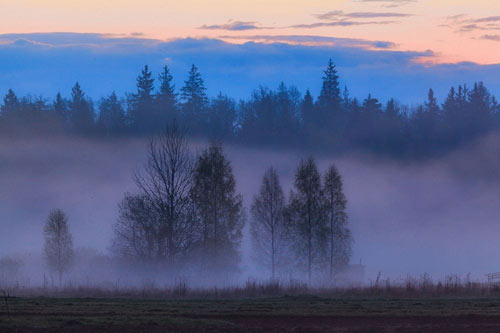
[
  {"x": 58, "y": 250},
  {"x": 268, "y": 228}
]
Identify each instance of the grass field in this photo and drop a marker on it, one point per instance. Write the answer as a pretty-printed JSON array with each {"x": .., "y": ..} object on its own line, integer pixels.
[{"x": 286, "y": 313}]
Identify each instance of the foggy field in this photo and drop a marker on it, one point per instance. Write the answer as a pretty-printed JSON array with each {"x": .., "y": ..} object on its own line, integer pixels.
[
  {"x": 432, "y": 216},
  {"x": 288, "y": 313}
]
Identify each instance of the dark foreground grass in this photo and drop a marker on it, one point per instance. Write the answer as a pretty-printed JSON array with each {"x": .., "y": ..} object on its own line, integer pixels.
[{"x": 287, "y": 313}]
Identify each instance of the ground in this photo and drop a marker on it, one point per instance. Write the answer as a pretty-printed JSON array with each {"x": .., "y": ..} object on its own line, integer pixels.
[{"x": 279, "y": 314}]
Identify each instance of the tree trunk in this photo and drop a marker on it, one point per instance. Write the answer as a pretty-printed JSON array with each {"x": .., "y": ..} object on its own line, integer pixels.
[{"x": 309, "y": 261}]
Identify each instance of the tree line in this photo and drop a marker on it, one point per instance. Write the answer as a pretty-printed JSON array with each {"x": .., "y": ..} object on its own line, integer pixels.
[
  {"x": 333, "y": 122},
  {"x": 186, "y": 216}
]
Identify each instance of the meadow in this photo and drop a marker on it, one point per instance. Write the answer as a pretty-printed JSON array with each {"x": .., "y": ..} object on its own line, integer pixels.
[{"x": 415, "y": 305}]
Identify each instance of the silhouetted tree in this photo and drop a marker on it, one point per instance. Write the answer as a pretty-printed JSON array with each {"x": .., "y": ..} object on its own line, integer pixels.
[
  {"x": 10, "y": 104},
  {"x": 268, "y": 227},
  {"x": 141, "y": 111},
  {"x": 287, "y": 101},
  {"x": 58, "y": 250},
  {"x": 60, "y": 109},
  {"x": 137, "y": 233},
  {"x": 329, "y": 96},
  {"x": 431, "y": 105},
  {"x": 222, "y": 118},
  {"x": 166, "y": 227},
  {"x": 111, "y": 119},
  {"x": 307, "y": 217},
  {"x": 81, "y": 111},
  {"x": 166, "y": 98},
  {"x": 194, "y": 100},
  {"x": 219, "y": 210},
  {"x": 339, "y": 234},
  {"x": 330, "y": 121}
]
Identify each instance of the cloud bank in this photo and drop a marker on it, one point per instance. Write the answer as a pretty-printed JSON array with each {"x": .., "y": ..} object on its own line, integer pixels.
[{"x": 43, "y": 64}]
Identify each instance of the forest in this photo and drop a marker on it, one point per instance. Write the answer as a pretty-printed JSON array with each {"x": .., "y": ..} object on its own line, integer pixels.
[{"x": 333, "y": 122}]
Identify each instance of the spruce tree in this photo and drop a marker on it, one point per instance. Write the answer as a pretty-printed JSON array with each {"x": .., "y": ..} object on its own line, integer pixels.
[
  {"x": 194, "y": 99},
  {"x": 81, "y": 111},
  {"x": 431, "y": 104},
  {"x": 330, "y": 91},
  {"x": 166, "y": 97},
  {"x": 141, "y": 112},
  {"x": 331, "y": 119},
  {"x": 10, "y": 103},
  {"x": 59, "y": 108},
  {"x": 145, "y": 86}
]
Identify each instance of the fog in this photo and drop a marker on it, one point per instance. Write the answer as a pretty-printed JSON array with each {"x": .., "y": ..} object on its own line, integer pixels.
[{"x": 436, "y": 216}]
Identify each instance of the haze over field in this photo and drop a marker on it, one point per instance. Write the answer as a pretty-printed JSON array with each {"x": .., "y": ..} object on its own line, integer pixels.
[
  {"x": 398, "y": 95},
  {"x": 437, "y": 216}
]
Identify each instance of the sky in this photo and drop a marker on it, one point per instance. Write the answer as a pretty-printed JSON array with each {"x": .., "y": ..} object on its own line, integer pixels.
[{"x": 386, "y": 47}]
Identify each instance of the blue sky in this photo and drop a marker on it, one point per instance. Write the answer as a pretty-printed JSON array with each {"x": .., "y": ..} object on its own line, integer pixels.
[{"x": 45, "y": 63}]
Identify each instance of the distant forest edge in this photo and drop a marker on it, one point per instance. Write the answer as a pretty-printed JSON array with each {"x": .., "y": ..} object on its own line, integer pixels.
[{"x": 334, "y": 122}]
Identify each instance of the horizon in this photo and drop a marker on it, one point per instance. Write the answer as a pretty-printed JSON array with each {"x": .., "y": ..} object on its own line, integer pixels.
[{"x": 409, "y": 45}]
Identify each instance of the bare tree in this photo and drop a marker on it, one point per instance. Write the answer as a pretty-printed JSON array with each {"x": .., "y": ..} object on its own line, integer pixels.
[
  {"x": 58, "y": 248},
  {"x": 340, "y": 238},
  {"x": 307, "y": 216},
  {"x": 219, "y": 209},
  {"x": 268, "y": 227},
  {"x": 136, "y": 231},
  {"x": 157, "y": 223}
]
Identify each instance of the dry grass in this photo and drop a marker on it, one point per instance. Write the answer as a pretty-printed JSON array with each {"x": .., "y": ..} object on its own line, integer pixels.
[{"x": 410, "y": 287}]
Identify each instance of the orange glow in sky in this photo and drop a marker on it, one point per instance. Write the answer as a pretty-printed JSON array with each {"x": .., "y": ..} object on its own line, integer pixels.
[{"x": 455, "y": 30}]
